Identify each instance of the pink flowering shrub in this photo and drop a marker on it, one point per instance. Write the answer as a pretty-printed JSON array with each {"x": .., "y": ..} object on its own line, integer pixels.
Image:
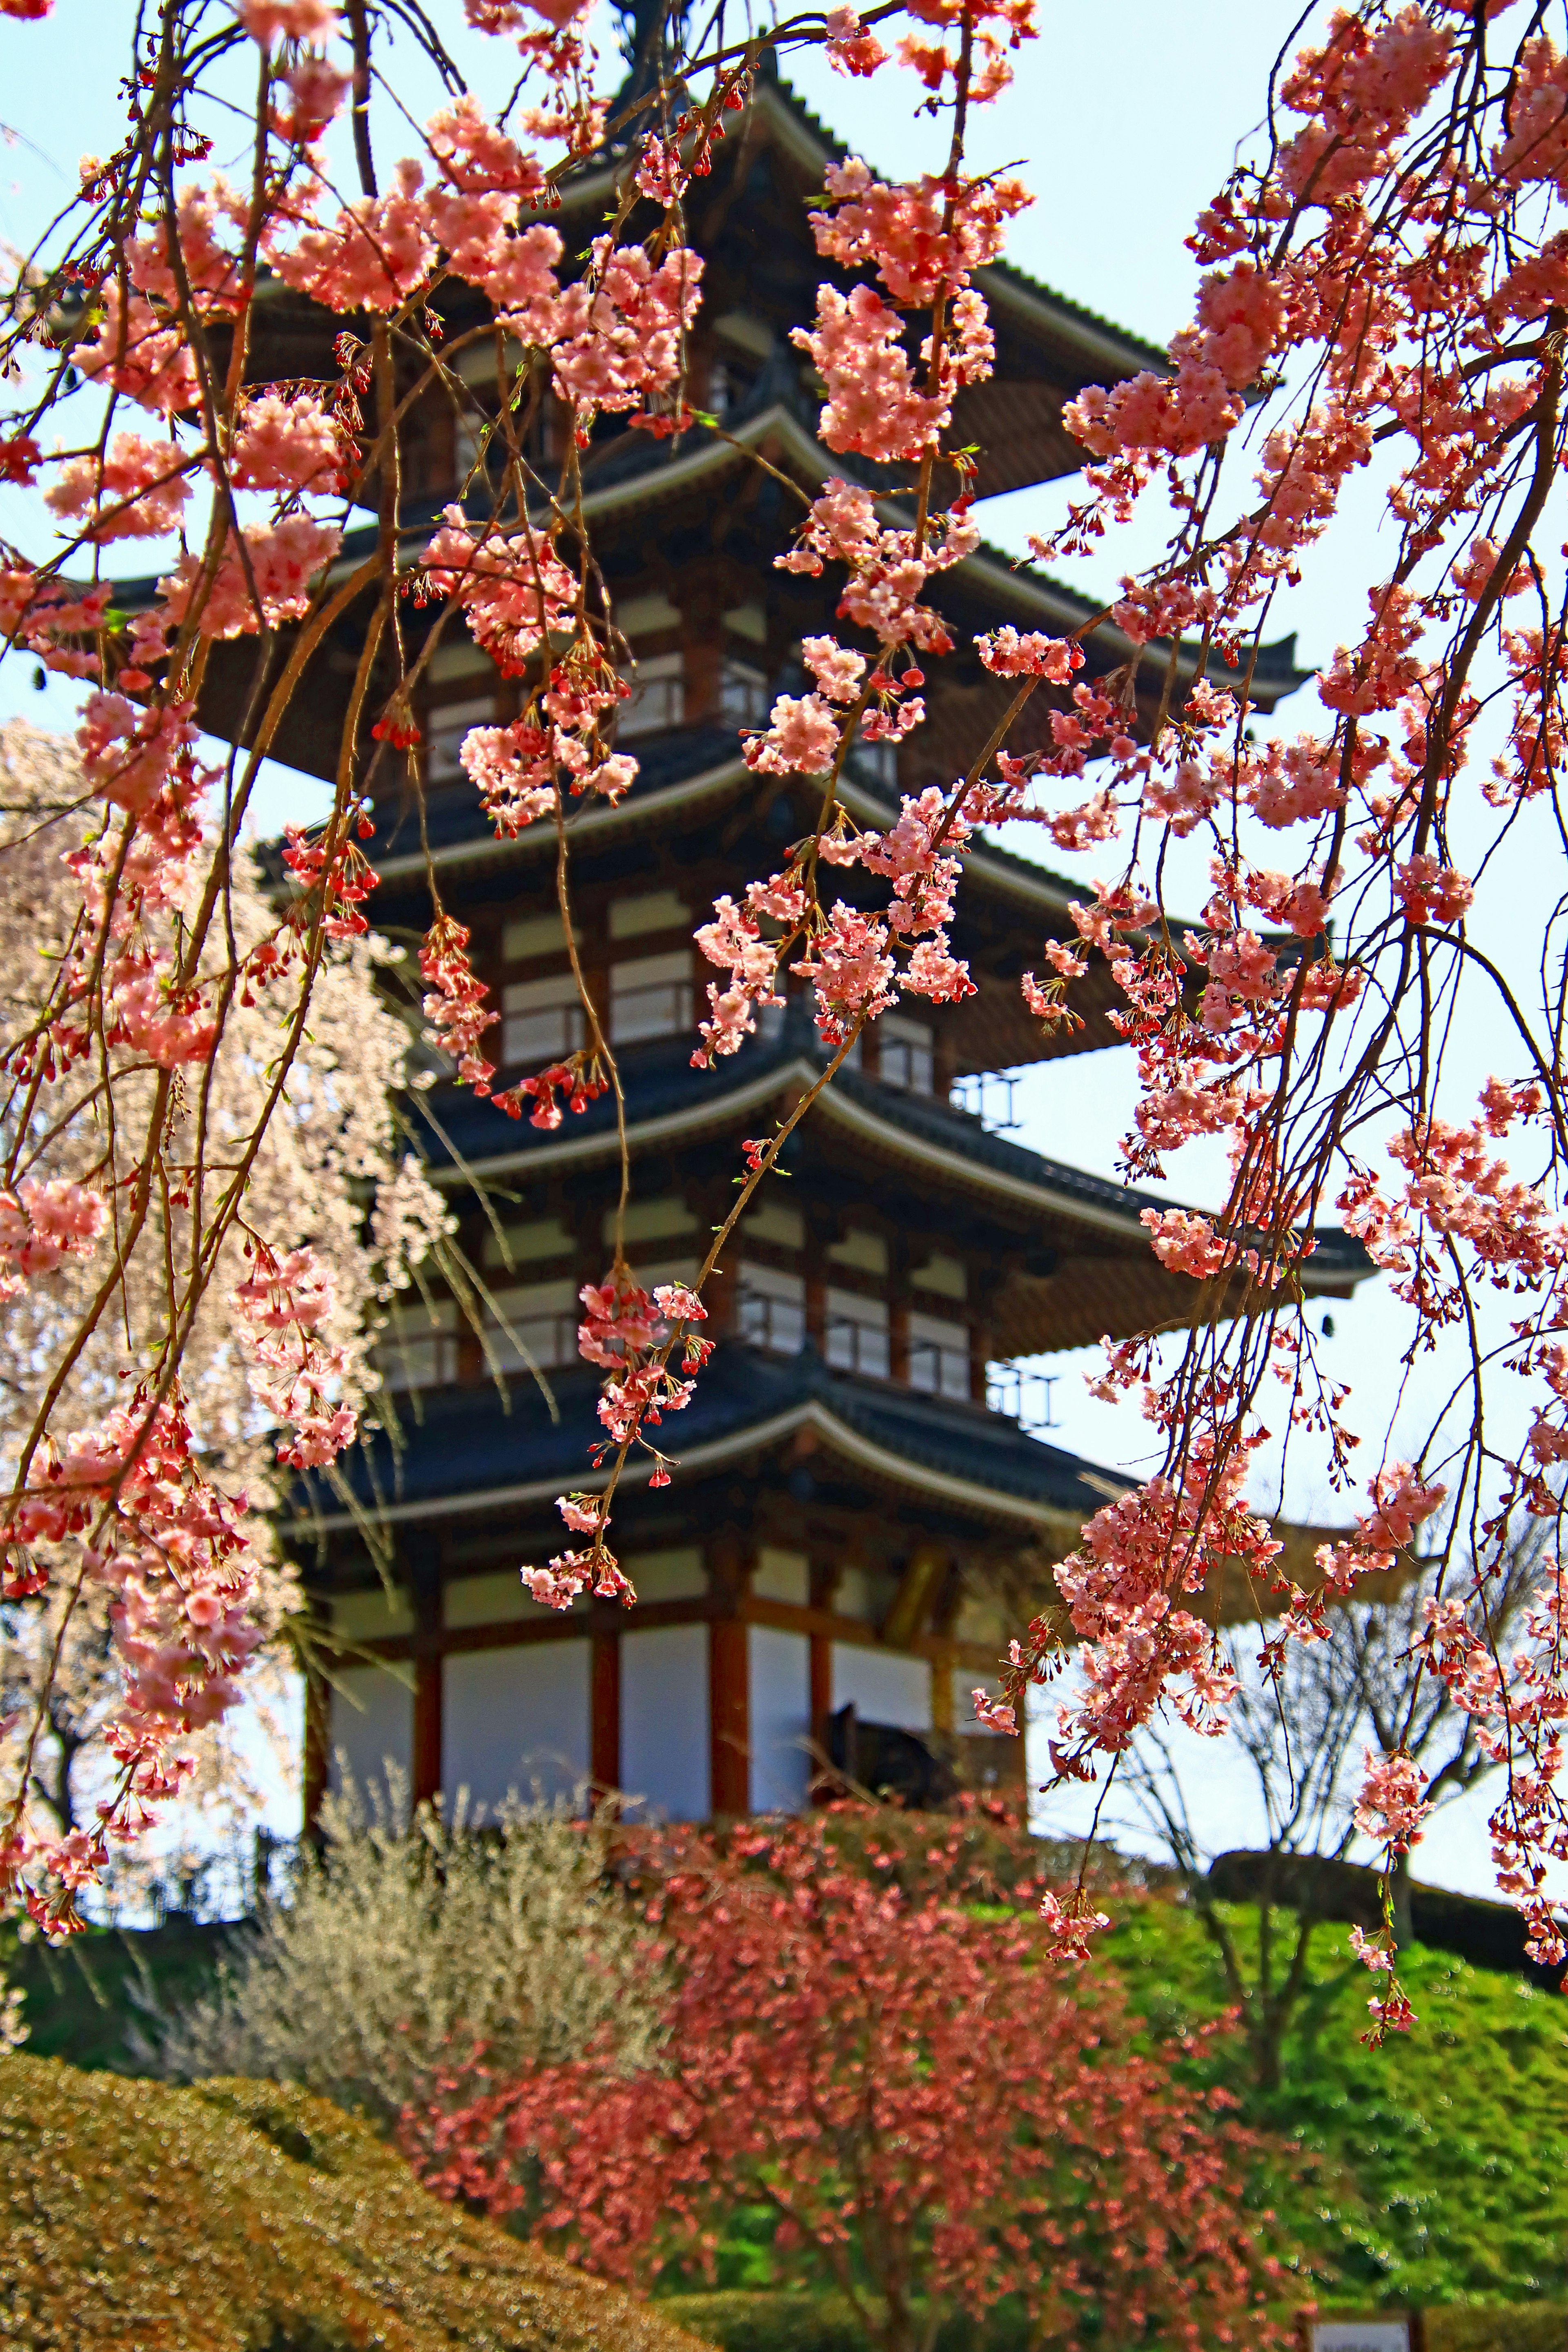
[{"x": 933, "y": 2123}]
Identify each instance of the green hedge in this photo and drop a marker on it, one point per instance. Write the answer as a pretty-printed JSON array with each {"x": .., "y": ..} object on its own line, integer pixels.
[
  {"x": 247, "y": 2217},
  {"x": 741, "y": 2322},
  {"x": 1431, "y": 2171},
  {"x": 794, "y": 2322},
  {"x": 1520, "y": 2327}
]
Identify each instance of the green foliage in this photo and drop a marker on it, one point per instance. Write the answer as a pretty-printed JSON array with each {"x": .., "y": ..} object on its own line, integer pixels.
[
  {"x": 1432, "y": 2168},
  {"x": 1521, "y": 2327},
  {"x": 250, "y": 2217},
  {"x": 793, "y": 2322},
  {"x": 92, "y": 1999}
]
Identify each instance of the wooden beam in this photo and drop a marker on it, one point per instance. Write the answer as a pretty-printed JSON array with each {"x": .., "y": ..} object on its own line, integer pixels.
[{"x": 516, "y": 1633}]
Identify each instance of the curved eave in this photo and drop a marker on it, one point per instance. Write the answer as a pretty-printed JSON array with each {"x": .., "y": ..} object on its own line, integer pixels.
[
  {"x": 591, "y": 824},
  {"x": 1023, "y": 596},
  {"x": 1034, "y": 891},
  {"x": 1029, "y": 595},
  {"x": 1091, "y": 1202},
  {"x": 1092, "y": 341},
  {"x": 857, "y": 1451},
  {"x": 1095, "y": 342}
]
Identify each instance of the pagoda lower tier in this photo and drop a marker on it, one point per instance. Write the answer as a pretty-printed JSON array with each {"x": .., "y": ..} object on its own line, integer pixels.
[
  {"x": 820, "y": 1584},
  {"x": 811, "y": 1590}
]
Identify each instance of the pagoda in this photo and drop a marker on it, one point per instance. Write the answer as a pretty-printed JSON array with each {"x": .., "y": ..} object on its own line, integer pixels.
[{"x": 818, "y": 1583}]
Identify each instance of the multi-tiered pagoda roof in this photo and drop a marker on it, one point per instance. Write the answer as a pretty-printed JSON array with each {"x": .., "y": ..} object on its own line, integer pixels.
[{"x": 819, "y": 1578}]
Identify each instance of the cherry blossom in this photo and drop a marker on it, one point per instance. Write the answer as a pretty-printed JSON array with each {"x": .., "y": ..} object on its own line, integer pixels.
[{"x": 1380, "y": 280}]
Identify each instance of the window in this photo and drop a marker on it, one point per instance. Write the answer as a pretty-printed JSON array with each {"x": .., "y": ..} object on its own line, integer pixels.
[
  {"x": 949, "y": 1275},
  {"x": 541, "y": 1019},
  {"x": 770, "y": 1310},
  {"x": 650, "y": 1221},
  {"x": 939, "y": 1356},
  {"x": 858, "y": 1333},
  {"x": 650, "y": 996},
  {"x": 879, "y": 761},
  {"x": 773, "y": 1220},
  {"x": 743, "y": 695},
  {"x": 656, "y": 911},
  {"x": 905, "y": 1058},
  {"x": 866, "y": 1252},
  {"x": 642, "y": 616},
  {"x": 418, "y": 1349},
  {"x": 543, "y": 1238},
  {"x": 541, "y": 1318},
  {"x": 447, "y": 727},
  {"x": 658, "y": 696}
]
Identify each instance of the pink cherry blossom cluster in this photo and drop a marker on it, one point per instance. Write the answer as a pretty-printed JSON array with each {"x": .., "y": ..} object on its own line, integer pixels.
[
  {"x": 127, "y": 1501},
  {"x": 281, "y": 1305},
  {"x": 1390, "y": 1807},
  {"x": 43, "y": 1222},
  {"x": 632, "y": 1335},
  {"x": 456, "y": 1004}
]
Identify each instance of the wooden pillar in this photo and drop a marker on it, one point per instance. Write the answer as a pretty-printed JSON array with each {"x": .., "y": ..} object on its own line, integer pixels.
[
  {"x": 898, "y": 1311},
  {"x": 819, "y": 1233},
  {"x": 821, "y": 1693},
  {"x": 942, "y": 1693},
  {"x": 604, "y": 1720},
  {"x": 422, "y": 1553},
  {"x": 979, "y": 1358},
  {"x": 426, "y": 1774},
  {"x": 318, "y": 1757},
  {"x": 729, "y": 1718},
  {"x": 729, "y": 1567},
  {"x": 824, "y": 1575}
]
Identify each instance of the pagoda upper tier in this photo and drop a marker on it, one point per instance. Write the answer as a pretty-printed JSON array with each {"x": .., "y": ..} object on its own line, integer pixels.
[{"x": 685, "y": 529}]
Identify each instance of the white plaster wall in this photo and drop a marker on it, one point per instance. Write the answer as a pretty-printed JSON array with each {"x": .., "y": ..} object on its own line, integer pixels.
[
  {"x": 513, "y": 1719},
  {"x": 883, "y": 1686},
  {"x": 778, "y": 1670},
  {"x": 664, "y": 1720},
  {"x": 372, "y": 1725}
]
